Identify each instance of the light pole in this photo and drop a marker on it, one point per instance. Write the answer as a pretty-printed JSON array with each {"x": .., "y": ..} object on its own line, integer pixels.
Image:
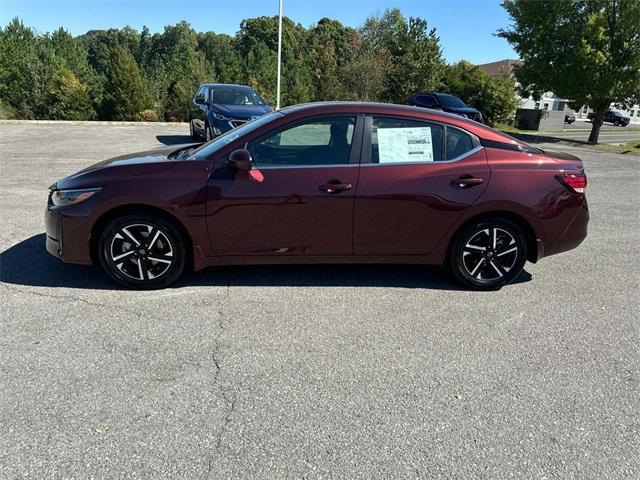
[{"x": 279, "y": 53}]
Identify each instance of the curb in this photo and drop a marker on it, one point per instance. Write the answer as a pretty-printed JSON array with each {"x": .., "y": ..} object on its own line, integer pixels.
[{"x": 87, "y": 122}]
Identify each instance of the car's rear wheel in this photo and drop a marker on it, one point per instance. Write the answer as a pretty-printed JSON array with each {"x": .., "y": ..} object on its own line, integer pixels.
[
  {"x": 488, "y": 254},
  {"x": 142, "y": 251}
]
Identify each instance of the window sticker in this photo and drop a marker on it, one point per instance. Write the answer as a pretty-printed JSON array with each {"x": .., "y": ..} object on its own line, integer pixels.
[{"x": 407, "y": 144}]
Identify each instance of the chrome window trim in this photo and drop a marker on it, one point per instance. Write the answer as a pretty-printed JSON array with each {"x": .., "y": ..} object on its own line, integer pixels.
[
  {"x": 282, "y": 167},
  {"x": 391, "y": 164},
  {"x": 439, "y": 162}
]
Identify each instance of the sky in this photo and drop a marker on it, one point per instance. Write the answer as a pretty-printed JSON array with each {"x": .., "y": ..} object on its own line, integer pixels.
[{"x": 466, "y": 27}]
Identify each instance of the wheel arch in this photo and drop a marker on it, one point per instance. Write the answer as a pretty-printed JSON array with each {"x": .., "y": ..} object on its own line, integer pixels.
[
  {"x": 532, "y": 244},
  {"x": 129, "y": 209}
]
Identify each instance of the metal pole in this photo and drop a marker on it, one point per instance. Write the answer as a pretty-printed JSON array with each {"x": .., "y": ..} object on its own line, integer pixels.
[{"x": 279, "y": 54}]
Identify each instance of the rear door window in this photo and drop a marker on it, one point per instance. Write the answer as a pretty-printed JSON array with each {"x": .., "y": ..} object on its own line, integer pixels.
[{"x": 398, "y": 140}]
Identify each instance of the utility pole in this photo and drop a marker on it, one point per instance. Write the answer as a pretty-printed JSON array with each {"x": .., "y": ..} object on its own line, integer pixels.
[{"x": 279, "y": 53}]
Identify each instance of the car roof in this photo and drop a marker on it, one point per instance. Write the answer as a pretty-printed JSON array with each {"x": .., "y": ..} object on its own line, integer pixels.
[
  {"x": 372, "y": 108},
  {"x": 225, "y": 85},
  {"x": 434, "y": 93}
]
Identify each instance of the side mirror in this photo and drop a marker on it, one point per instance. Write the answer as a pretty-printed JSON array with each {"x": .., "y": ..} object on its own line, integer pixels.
[
  {"x": 241, "y": 159},
  {"x": 199, "y": 101}
]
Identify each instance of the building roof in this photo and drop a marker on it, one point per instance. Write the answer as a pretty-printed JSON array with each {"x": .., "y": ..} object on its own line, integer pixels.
[{"x": 501, "y": 67}]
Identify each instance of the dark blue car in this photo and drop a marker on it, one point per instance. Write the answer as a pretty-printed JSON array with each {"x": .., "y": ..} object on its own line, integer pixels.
[{"x": 219, "y": 107}]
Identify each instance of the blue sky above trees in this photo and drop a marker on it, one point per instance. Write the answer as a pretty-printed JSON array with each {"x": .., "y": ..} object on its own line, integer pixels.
[{"x": 466, "y": 27}]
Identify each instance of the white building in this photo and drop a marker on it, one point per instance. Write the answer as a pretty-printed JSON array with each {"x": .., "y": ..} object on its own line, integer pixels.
[{"x": 549, "y": 101}]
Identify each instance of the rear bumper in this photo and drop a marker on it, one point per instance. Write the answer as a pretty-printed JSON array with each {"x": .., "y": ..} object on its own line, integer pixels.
[{"x": 568, "y": 230}]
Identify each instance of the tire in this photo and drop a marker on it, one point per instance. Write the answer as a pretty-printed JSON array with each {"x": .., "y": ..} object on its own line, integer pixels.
[
  {"x": 478, "y": 264},
  {"x": 142, "y": 251},
  {"x": 208, "y": 133},
  {"x": 616, "y": 123},
  {"x": 192, "y": 132}
]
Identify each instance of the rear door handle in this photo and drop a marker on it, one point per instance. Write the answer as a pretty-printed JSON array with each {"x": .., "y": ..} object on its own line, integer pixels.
[
  {"x": 334, "y": 186},
  {"x": 466, "y": 181}
]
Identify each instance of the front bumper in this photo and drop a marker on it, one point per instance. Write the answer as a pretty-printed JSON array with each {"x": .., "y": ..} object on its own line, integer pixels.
[
  {"x": 222, "y": 126},
  {"x": 66, "y": 237}
]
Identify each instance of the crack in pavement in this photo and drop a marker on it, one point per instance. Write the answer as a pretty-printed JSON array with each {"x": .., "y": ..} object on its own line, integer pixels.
[
  {"x": 73, "y": 299},
  {"x": 230, "y": 401}
]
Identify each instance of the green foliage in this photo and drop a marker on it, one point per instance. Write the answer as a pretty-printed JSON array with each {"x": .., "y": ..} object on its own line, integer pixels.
[
  {"x": 125, "y": 94},
  {"x": 68, "y": 98},
  {"x": 123, "y": 74},
  {"x": 417, "y": 62},
  {"x": 587, "y": 51},
  {"x": 493, "y": 96}
]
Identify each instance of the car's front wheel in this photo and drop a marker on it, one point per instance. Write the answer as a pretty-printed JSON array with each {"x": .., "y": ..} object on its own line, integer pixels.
[
  {"x": 208, "y": 133},
  {"x": 142, "y": 251},
  {"x": 488, "y": 254}
]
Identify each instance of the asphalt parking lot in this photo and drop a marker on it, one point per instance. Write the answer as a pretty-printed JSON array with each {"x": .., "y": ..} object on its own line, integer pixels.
[
  {"x": 580, "y": 130},
  {"x": 313, "y": 372}
]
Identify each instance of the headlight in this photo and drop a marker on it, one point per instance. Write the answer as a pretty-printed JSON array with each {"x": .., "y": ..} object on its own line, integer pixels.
[
  {"x": 63, "y": 198},
  {"x": 219, "y": 116}
]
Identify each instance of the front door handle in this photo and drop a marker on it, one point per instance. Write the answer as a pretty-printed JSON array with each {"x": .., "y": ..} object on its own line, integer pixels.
[
  {"x": 335, "y": 186},
  {"x": 466, "y": 181}
]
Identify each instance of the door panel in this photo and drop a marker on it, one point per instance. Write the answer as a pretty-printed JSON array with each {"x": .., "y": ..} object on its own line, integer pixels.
[
  {"x": 281, "y": 211},
  {"x": 406, "y": 208},
  {"x": 297, "y": 199}
]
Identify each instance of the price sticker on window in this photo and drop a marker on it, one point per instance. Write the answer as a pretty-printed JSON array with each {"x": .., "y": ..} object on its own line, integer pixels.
[{"x": 407, "y": 144}]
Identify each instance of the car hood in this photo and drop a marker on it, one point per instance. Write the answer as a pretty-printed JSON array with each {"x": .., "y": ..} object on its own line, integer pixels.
[
  {"x": 129, "y": 165},
  {"x": 241, "y": 111}
]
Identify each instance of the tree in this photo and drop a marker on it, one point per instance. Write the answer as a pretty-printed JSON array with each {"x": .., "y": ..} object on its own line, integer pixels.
[
  {"x": 18, "y": 60},
  {"x": 364, "y": 74},
  {"x": 220, "y": 52},
  {"x": 68, "y": 98},
  {"x": 257, "y": 43},
  {"x": 328, "y": 49},
  {"x": 587, "y": 51},
  {"x": 126, "y": 94},
  {"x": 495, "y": 97},
  {"x": 414, "y": 48}
]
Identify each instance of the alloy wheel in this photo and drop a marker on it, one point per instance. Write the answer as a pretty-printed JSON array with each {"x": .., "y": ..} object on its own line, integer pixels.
[
  {"x": 141, "y": 251},
  {"x": 490, "y": 254}
]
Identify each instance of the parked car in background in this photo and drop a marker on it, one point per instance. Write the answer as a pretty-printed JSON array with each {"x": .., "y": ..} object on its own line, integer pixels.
[
  {"x": 220, "y": 107},
  {"x": 569, "y": 118},
  {"x": 325, "y": 183},
  {"x": 445, "y": 102},
  {"x": 611, "y": 116}
]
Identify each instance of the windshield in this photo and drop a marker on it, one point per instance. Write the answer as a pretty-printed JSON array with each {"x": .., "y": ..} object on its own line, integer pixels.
[
  {"x": 450, "y": 101},
  {"x": 226, "y": 138},
  {"x": 235, "y": 96}
]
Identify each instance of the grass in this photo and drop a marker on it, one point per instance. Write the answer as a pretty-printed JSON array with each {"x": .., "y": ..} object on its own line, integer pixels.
[{"x": 632, "y": 147}]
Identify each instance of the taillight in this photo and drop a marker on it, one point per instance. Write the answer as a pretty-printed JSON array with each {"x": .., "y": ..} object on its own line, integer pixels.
[{"x": 573, "y": 181}]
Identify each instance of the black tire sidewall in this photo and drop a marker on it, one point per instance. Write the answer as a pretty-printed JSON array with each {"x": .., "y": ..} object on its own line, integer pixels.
[
  {"x": 455, "y": 261},
  {"x": 166, "y": 227}
]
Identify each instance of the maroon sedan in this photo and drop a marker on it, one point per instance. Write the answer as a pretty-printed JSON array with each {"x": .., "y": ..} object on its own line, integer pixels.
[{"x": 325, "y": 183}]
